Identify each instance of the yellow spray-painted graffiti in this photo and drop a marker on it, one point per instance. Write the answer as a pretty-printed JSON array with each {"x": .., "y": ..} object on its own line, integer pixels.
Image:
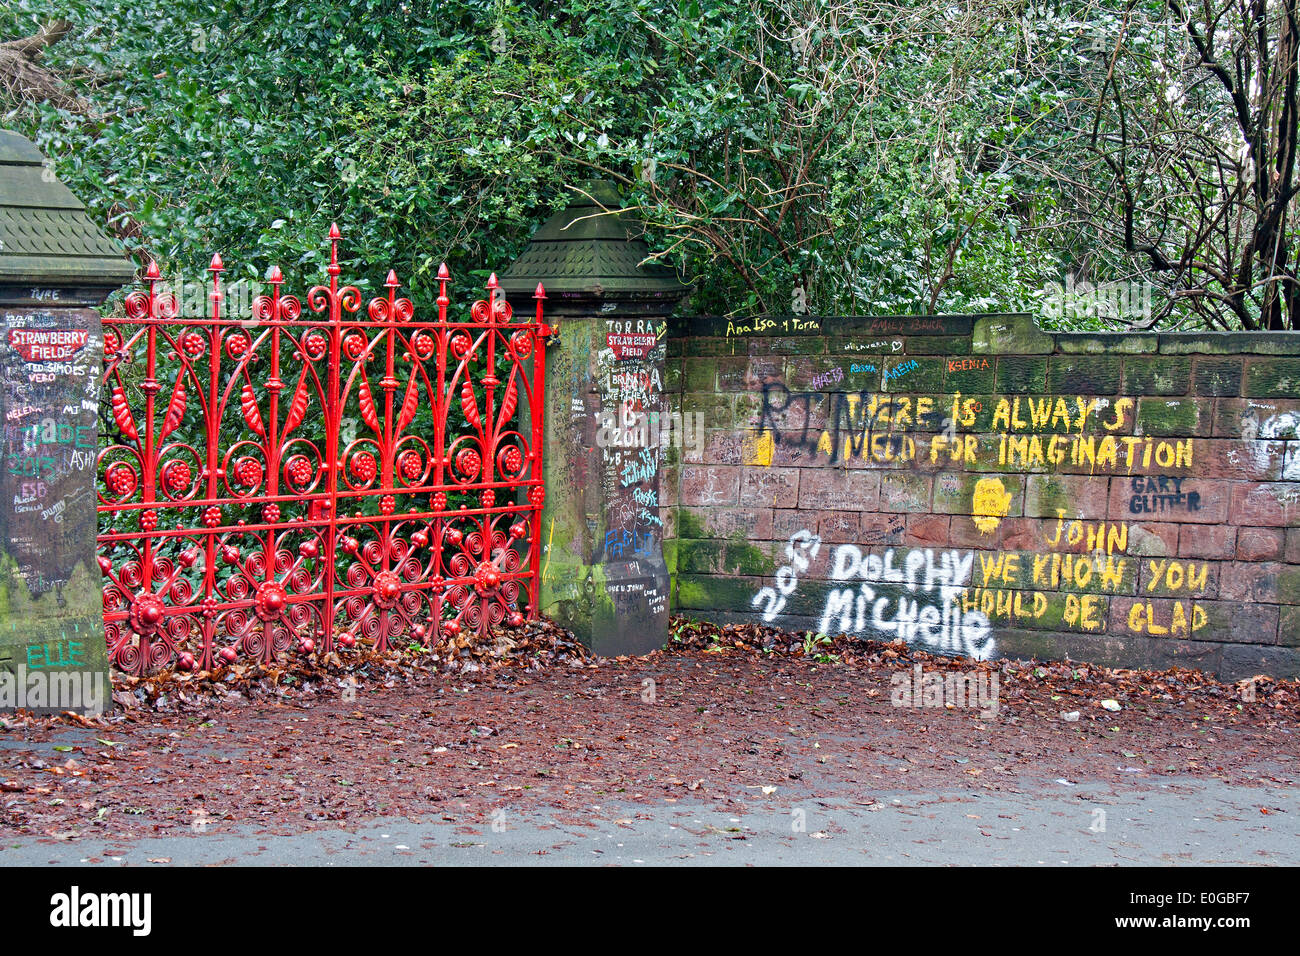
[
  {"x": 989, "y": 504},
  {"x": 758, "y": 449}
]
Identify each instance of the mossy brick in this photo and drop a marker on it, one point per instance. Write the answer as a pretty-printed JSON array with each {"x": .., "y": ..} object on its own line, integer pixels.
[
  {"x": 1079, "y": 497},
  {"x": 863, "y": 373},
  {"x": 1174, "y": 416},
  {"x": 905, "y": 373},
  {"x": 699, "y": 557},
  {"x": 741, "y": 557},
  {"x": 716, "y": 592},
  {"x": 1162, "y": 375},
  {"x": 937, "y": 345},
  {"x": 675, "y": 347},
  {"x": 717, "y": 409},
  {"x": 1105, "y": 343},
  {"x": 1012, "y": 334},
  {"x": 700, "y": 375},
  {"x": 1083, "y": 375},
  {"x": 972, "y": 374},
  {"x": 1196, "y": 343},
  {"x": 673, "y": 375},
  {"x": 748, "y": 408},
  {"x": 1217, "y": 376},
  {"x": 1230, "y": 343},
  {"x": 1273, "y": 378},
  {"x": 1289, "y": 630},
  {"x": 1020, "y": 374},
  {"x": 955, "y": 492}
]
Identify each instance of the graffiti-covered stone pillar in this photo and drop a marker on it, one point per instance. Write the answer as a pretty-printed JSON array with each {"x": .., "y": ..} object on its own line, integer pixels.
[
  {"x": 603, "y": 569},
  {"x": 55, "y": 269}
]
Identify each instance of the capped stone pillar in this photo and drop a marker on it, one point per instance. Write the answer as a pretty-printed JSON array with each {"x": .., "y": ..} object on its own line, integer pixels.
[
  {"x": 56, "y": 268},
  {"x": 603, "y": 569}
]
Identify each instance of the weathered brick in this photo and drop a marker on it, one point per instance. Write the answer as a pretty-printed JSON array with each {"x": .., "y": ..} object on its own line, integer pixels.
[
  {"x": 1207, "y": 541},
  {"x": 1242, "y": 661},
  {"x": 1237, "y": 458},
  {"x": 1216, "y": 376},
  {"x": 1267, "y": 582},
  {"x": 1270, "y": 504},
  {"x": 1019, "y": 374},
  {"x": 1252, "y": 418},
  {"x": 860, "y": 349},
  {"x": 882, "y": 530},
  {"x": 1260, "y": 544},
  {"x": 1083, "y": 375},
  {"x": 1293, "y": 545},
  {"x": 902, "y": 492},
  {"x": 786, "y": 345},
  {"x": 787, "y": 522},
  {"x": 938, "y": 345},
  {"x": 829, "y": 489},
  {"x": 1289, "y": 627},
  {"x": 1105, "y": 343},
  {"x": 770, "y": 487},
  {"x": 928, "y": 530},
  {"x": 1273, "y": 378},
  {"x": 840, "y": 527},
  {"x": 1198, "y": 500},
  {"x": 710, "y": 485},
  {"x": 1170, "y": 375},
  {"x": 1174, "y": 416},
  {"x": 1152, "y": 538}
]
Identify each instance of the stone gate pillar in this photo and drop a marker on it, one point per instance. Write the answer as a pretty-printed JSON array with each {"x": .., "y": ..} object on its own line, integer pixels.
[
  {"x": 55, "y": 269},
  {"x": 603, "y": 569}
]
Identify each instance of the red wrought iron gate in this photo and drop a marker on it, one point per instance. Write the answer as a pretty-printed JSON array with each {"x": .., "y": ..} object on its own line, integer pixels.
[{"x": 298, "y": 480}]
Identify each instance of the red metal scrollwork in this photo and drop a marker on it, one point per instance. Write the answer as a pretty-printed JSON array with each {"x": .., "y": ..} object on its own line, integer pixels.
[{"x": 301, "y": 480}]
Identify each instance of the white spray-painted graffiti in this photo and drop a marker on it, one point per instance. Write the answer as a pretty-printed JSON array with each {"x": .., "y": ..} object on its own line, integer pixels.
[{"x": 931, "y": 611}]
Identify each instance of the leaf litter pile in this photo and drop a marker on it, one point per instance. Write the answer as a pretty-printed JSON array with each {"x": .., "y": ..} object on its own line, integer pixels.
[{"x": 740, "y": 715}]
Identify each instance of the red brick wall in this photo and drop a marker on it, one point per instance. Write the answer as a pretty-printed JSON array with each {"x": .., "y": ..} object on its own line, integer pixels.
[{"x": 977, "y": 486}]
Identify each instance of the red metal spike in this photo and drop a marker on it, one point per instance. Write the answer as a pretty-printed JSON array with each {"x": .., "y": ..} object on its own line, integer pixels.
[
  {"x": 444, "y": 272},
  {"x": 275, "y": 276},
  {"x": 335, "y": 235},
  {"x": 391, "y": 282},
  {"x": 492, "y": 281},
  {"x": 540, "y": 293},
  {"x": 152, "y": 272},
  {"x": 217, "y": 264}
]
